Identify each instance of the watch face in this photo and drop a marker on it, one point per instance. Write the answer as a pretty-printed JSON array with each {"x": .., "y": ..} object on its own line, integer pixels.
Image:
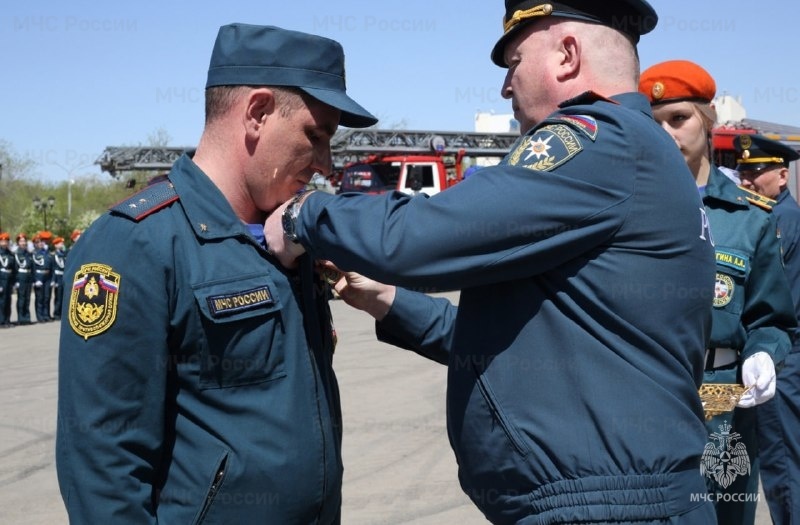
[{"x": 288, "y": 225}]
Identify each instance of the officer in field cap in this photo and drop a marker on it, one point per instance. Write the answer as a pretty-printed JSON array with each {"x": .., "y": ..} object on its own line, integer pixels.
[
  {"x": 209, "y": 334},
  {"x": 763, "y": 165},
  {"x": 632, "y": 17}
]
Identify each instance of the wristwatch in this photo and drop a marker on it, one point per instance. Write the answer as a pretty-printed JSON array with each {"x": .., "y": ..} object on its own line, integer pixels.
[{"x": 289, "y": 218}]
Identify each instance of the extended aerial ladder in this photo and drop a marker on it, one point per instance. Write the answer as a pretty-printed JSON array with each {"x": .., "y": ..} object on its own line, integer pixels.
[{"x": 347, "y": 145}]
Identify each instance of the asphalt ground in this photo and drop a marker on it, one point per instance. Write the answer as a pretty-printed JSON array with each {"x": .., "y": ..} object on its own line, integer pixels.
[{"x": 399, "y": 468}]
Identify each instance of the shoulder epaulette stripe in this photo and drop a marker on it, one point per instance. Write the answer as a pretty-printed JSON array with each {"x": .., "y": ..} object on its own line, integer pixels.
[
  {"x": 759, "y": 203},
  {"x": 147, "y": 201},
  {"x": 759, "y": 200}
]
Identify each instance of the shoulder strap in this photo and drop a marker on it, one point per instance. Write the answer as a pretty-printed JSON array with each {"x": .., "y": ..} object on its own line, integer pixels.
[
  {"x": 759, "y": 200},
  {"x": 148, "y": 201}
]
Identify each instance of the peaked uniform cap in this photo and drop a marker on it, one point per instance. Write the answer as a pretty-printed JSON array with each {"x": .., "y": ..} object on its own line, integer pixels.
[
  {"x": 251, "y": 55},
  {"x": 632, "y": 17},
  {"x": 757, "y": 151}
]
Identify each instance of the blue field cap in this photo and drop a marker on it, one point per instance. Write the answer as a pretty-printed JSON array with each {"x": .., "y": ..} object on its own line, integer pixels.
[{"x": 250, "y": 55}]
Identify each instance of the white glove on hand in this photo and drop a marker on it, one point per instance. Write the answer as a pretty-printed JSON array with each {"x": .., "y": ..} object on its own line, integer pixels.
[
  {"x": 758, "y": 372},
  {"x": 16, "y": 286},
  {"x": 37, "y": 284}
]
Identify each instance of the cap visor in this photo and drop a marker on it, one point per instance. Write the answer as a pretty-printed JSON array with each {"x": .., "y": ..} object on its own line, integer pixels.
[{"x": 353, "y": 115}]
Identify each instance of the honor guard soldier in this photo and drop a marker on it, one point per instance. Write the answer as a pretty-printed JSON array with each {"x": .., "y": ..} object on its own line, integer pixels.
[
  {"x": 196, "y": 380},
  {"x": 588, "y": 247},
  {"x": 23, "y": 261},
  {"x": 59, "y": 259},
  {"x": 763, "y": 166},
  {"x": 6, "y": 280},
  {"x": 42, "y": 276},
  {"x": 752, "y": 313}
]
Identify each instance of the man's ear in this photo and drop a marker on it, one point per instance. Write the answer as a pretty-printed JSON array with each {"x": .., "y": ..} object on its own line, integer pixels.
[
  {"x": 570, "y": 65},
  {"x": 260, "y": 105},
  {"x": 783, "y": 177}
]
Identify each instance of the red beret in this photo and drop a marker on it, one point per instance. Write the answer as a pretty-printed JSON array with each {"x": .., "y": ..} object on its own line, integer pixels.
[
  {"x": 675, "y": 81},
  {"x": 21, "y": 236},
  {"x": 4, "y": 236},
  {"x": 58, "y": 240},
  {"x": 45, "y": 235},
  {"x": 75, "y": 234}
]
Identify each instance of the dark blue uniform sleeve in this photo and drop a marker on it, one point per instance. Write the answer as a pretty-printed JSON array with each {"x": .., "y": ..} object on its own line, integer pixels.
[
  {"x": 477, "y": 232},
  {"x": 112, "y": 385},
  {"x": 420, "y": 323},
  {"x": 787, "y": 215},
  {"x": 768, "y": 314}
]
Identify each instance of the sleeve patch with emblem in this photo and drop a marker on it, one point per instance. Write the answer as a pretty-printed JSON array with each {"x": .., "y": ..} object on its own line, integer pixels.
[
  {"x": 549, "y": 147},
  {"x": 93, "y": 300}
]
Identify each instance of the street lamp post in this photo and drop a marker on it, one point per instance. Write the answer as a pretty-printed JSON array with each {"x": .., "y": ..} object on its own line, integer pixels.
[{"x": 43, "y": 206}]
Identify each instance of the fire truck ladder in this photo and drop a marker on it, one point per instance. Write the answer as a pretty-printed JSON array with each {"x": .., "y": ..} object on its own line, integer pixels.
[{"x": 347, "y": 145}]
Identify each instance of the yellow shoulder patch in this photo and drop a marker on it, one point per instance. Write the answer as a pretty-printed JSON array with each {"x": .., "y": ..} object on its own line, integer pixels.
[
  {"x": 759, "y": 200},
  {"x": 93, "y": 300}
]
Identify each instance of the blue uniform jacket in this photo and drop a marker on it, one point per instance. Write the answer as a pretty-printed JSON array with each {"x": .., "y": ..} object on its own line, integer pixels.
[
  {"x": 787, "y": 214},
  {"x": 199, "y": 389},
  {"x": 753, "y": 311},
  {"x": 575, "y": 353},
  {"x": 42, "y": 267}
]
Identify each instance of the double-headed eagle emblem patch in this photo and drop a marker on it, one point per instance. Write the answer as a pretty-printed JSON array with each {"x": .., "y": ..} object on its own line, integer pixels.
[{"x": 93, "y": 300}]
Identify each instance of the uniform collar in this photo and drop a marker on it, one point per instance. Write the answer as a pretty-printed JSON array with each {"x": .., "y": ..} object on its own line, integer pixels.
[
  {"x": 722, "y": 188},
  {"x": 784, "y": 194},
  {"x": 209, "y": 212}
]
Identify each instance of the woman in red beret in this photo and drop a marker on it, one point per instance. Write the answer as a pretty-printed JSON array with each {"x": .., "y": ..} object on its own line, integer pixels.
[{"x": 752, "y": 307}]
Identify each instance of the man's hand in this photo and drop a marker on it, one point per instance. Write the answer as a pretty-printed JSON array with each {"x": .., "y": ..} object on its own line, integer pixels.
[
  {"x": 360, "y": 292},
  {"x": 758, "y": 372},
  {"x": 278, "y": 245}
]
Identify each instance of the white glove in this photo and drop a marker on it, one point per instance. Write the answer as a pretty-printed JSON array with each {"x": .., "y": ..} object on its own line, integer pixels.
[
  {"x": 16, "y": 286},
  {"x": 758, "y": 372},
  {"x": 37, "y": 284}
]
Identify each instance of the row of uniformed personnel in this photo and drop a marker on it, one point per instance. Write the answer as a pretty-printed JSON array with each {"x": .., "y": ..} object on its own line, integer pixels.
[{"x": 39, "y": 270}]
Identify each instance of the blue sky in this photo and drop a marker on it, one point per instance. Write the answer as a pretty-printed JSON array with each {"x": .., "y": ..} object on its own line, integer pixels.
[{"x": 79, "y": 76}]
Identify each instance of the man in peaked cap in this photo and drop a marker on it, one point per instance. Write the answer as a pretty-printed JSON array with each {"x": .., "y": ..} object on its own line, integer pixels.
[
  {"x": 196, "y": 381},
  {"x": 763, "y": 166},
  {"x": 587, "y": 280},
  {"x": 631, "y": 17}
]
